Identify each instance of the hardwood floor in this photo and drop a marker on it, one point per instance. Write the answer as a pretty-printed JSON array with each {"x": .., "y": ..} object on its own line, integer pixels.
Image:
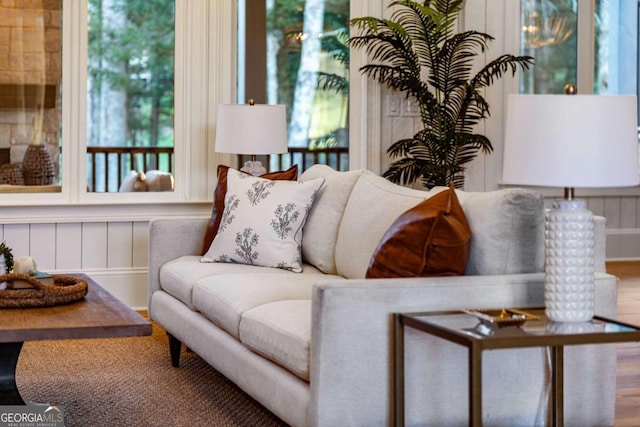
[{"x": 628, "y": 369}]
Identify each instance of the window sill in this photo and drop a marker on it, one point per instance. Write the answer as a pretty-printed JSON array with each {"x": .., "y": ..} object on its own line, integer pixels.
[
  {"x": 66, "y": 213},
  {"x": 4, "y": 188}
]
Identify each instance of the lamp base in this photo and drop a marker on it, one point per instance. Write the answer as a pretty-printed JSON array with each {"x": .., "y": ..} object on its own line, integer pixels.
[
  {"x": 254, "y": 168},
  {"x": 569, "y": 291}
]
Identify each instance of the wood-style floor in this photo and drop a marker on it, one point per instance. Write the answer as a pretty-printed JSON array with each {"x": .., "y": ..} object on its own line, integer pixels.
[{"x": 628, "y": 369}]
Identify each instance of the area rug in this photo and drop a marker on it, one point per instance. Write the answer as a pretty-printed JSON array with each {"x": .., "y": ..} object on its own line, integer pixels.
[{"x": 130, "y": 382}]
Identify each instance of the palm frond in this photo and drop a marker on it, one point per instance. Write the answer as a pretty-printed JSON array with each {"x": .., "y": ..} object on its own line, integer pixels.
[
  {"x": 335, "y": 82},
  {"x": 403, "y": 171},
  {"x": 401, "y": 148},
  {"x": 498, "y": 67},
  {"x": 395, "y": 78},
  {"x": 455, "y": 59}
]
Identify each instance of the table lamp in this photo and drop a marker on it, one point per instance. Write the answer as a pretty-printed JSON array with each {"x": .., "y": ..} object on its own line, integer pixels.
[
  {"x": 570, "y": 141},
  {"x": 251, "y": 129}
]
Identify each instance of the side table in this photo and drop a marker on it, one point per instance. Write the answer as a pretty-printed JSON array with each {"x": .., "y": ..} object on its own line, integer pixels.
[{"x": 467, "y": 330}]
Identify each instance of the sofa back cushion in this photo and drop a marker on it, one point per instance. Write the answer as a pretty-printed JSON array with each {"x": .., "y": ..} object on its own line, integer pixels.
[
  {"x": 507, "y": 226},
  {"x": 507, "y": 231},
  {"x": 321, "y": 229},
  {"x": 373, "y": 206}
]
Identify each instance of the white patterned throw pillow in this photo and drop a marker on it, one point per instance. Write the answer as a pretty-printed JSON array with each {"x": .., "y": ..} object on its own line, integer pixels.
[{"x": 262, "y": 221}]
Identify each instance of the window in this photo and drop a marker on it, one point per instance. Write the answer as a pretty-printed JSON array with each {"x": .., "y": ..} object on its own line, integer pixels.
[
  {"x": 616, "y": 47},
  {"x": 130, "y": 95},
  {"x": 593, "y": 44},
  {"x": 549, "y": 34},
  {"x": 30, "y": 95},
  {"x": 295, "y": 53}
]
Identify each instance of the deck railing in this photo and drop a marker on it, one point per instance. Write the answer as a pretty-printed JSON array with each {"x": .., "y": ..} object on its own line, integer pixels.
[
  {"x": 336, "y": 157},
  {"x": 108, "y": 166}
]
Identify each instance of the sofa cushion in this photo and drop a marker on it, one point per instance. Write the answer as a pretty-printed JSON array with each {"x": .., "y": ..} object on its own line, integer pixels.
[
  {"x": 220, "y": 192},
  {"x": 263, "y": 221},
  {"x": 224, "y": 298},
  {"x": 321, "y": 229},
  {"x": 281, "y": 332},
  {"x": 507, "y": 229},
  {"x": 430, "y": 239},
  {"x": 373, "y": 206},
  {"x": 178, "y": 276}
]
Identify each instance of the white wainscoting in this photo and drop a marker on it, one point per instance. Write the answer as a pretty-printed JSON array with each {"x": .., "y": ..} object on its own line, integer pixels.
[
  {"x": 112, "y": 253},
  {"x": 623, "y": 224}
]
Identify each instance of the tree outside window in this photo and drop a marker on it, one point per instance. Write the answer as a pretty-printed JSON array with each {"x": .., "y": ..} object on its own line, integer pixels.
[
  {"x": 130, "y": 88},
  {"x": 307, "y": 66}
]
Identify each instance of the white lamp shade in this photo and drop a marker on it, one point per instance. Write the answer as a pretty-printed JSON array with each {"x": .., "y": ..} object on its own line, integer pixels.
[
  {"x": 571, "y": 141},
  {"x": 251, "y": 129}
]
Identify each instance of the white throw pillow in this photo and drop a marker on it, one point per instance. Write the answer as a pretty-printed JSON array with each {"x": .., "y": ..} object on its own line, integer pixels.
[{"x": 262, "y": 221}]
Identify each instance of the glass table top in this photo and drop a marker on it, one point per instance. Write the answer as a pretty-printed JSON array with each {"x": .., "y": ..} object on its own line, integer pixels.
[{"x": 476, "y": 325}]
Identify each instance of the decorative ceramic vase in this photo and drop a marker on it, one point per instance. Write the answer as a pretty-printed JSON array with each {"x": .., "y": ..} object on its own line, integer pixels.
[
  {"x": 569, "y": 292},
  {"x": 11, "y": 174},
  {"x": 37, "y": 166}
]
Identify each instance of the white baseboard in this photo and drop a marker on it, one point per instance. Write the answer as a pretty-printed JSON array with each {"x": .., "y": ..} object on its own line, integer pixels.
[{"x": 623, "y": 244}]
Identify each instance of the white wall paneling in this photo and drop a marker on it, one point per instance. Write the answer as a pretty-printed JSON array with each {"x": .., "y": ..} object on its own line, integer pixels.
[
  {"x": 94, "y": 245},
  {"x": 42, "y": 245},
  {"x": 140, "y": 252},
  {"x": 17, "y": 237},
  {"x": 119, "y": 245},
  {"x": 112, "y": 253},
  {"x": 69, "y": 246}
]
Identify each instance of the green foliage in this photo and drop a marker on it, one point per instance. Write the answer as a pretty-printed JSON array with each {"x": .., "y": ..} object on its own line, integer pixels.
[
  {"x": 131, "y": 47},
  {"x": 417, "y": 52},
  {"x": 8, "y": 256},
  {"x": 337, "y": 45},
  {"x": 285, "y": 22}
]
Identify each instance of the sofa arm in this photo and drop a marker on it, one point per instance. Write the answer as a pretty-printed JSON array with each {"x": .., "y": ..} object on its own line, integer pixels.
[
  {"x": 169, "y": 239},
  {"x": 352, "y": 347}
]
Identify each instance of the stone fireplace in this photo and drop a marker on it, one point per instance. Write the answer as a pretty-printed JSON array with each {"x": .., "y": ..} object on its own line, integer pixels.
[{"x": 30, "y": 77}]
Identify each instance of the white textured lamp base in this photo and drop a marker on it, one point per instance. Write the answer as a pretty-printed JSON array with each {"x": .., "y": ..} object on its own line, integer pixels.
[
  {"x": 254, "y": 168},
  {"x": 570, "y": 278}
]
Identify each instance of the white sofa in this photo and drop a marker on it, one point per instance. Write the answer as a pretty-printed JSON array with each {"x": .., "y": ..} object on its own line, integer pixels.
[{"x": 315, "y": 348}]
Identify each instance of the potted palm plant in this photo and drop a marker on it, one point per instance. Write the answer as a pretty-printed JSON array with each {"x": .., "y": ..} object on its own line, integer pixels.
[{"x": 417, "y": 52}]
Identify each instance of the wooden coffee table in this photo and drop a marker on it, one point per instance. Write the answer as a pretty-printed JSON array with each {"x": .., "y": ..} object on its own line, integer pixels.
[{"x": 98, "y": 315}]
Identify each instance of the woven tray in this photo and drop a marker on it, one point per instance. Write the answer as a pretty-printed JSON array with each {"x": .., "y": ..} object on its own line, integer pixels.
[{"x": 66, "y": 289}]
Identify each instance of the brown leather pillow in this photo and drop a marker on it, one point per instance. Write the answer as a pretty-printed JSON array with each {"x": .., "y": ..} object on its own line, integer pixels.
[
  {"x": 220, "y": 192},
  {"x": 430, "y": 239}
]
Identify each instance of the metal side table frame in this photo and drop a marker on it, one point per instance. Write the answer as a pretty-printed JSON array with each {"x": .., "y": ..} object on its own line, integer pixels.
[{"x": 435, "y": 323}]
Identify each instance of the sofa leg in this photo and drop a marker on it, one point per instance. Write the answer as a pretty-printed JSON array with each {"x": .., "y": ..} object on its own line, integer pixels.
[{"x": 175, "y": 346}]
